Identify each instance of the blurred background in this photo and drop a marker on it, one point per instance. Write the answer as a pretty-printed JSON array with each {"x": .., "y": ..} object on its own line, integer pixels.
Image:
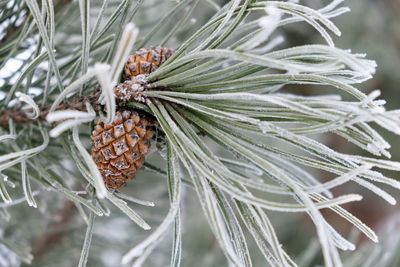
[{"x": 372, "y": 27}]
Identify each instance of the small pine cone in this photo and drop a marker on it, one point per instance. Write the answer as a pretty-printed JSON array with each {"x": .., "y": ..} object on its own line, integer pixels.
[
  {"x": 119, "y": 149},
  {"x": 131, "y": 90},
  {"x": 145, "y": 61}
]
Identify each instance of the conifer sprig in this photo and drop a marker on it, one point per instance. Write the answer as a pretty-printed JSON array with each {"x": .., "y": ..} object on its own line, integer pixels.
[{"x": 230, "y": 132}]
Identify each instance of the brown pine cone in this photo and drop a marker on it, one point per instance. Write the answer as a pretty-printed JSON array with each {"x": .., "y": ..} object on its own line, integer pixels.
[
  {"x": 131, "y": 90},
  {"x": 145, "y": 61},
  {"x": 119, "y": 149}
]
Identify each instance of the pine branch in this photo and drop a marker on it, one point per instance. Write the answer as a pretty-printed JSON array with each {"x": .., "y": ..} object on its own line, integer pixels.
[
  {"x": 246, "y": 147},
  {"x": 20, "y": 116}
]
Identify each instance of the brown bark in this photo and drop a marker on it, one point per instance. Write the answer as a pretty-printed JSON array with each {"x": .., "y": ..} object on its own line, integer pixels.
[
  {"x": 78, "y": 103},
  {"x": 56, "y": 232}
]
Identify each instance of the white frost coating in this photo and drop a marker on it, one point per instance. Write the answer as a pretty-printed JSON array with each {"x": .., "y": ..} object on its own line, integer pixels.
[
  {"x": 268, "y": 24},
  {"x": 228, "y": 15},
  {"x": 62, "y": 127},
  {"x": 389, "y": 123},
  {"x": 209, "y": 111},
  {"x": 380, "y": 163},
  {"x": 67, "y": 114},
  {"x": 270, "y": 45},
  {"x": 143, "y": 249},
  {"x": 365, "y": 67},
  {"x": 217, "y": 223},
  {"x": 7, "y": 137},
  {"x": 301, "y": 174},
  {"x": 311, "y": 14},
  {"x": 141, "y": 259},
  {"x": 135, "y": 200},
  {"x": 3, "y": 191},
  {"x": 71, "y": 119},
  {"x": 330, "y": 6},
  {"x": 27, "y": 99},
  {"x": 245, "y": 197},
  {"x": 151, "y": 239},
  {"x": 273, "y": 99},
  {"x": 107, "y": 86},
  {"x": 17, "y": 201},
  {"x": 376, "y": 109},
  {"x": 358, "y": 113},
  {"x": 264, "y": 60},
  {"x": 9, "y": 183},
  {"x": 251, "y": 169},
  {"x": 346, "y": 76},
  {"x": 73, "y": 87},
  {"x": 27, "y": 152},
  {"x": 313, "y": 17},
  {"x": 108, "y": 76},
  {"x": 355, "y": 62},
  {"x": 27, "y": 187},
  {"x": 270, "y": 21},
  {"x": 101, "y": 190},
  {"x": 338, "y": 180},
  {"x": 124, "y": 47},
  {"x": 339, "y": 241},
  {"x": 378, "y": 191},
  {"x": 119, "y": 203},
  {"x": 350, "y": 218}
]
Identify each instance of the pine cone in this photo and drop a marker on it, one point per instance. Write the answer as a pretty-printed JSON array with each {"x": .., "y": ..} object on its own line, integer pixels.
[
  {"x": 145, "y": 61},
  {"x": 131, "y": 90},
  {"x": 119, "y": 149}
]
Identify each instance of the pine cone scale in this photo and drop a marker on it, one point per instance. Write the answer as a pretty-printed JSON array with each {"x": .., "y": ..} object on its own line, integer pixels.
[
  {"x": 145, "y": 61},
  {"x": 119, "y": 148}
]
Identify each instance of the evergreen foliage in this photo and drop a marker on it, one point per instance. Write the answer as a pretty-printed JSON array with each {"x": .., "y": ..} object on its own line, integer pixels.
[{"x": 234, "y": 128}]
